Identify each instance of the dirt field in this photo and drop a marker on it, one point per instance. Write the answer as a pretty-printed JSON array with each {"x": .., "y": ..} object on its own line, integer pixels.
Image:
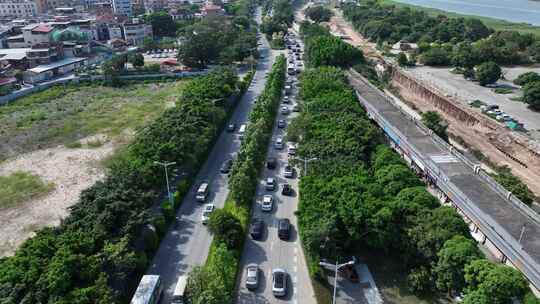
[{"x": 82, "y": 126}]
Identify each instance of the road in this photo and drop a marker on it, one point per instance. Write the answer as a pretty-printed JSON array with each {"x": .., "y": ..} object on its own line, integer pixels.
[
  {"x": 186, "y": 244},
  {"x": 270, "y": 252}
]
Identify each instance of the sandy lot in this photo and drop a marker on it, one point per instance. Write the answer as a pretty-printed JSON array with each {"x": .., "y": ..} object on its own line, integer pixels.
[{"x": 71, "y": 170}]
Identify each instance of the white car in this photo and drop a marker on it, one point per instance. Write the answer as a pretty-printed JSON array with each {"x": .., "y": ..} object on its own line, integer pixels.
[
  {"x": 267, "y": 203},
  {"x": 279, "y": 282},
  {"x": 208, "y": 209},
  {"x": 284, "y": 110},
  {"x": 291, "y": 149},
  {"x": 279, "y": 143},
  {"x": 252, "y": 276}
]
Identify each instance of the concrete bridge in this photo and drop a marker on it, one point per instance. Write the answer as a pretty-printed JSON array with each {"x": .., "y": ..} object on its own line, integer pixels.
[{"x": 507, "y": 227}]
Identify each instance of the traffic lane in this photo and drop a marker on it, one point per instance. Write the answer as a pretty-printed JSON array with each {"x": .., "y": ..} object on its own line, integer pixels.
[{"x": 188, "y": 242}]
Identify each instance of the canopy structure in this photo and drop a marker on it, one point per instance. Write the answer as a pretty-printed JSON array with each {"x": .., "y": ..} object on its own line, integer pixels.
[{"x": 71, "y": 33}]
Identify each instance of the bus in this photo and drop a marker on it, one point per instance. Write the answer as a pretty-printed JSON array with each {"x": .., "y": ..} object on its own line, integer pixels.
[
  {"x": 180, "y": 290},
  {"x": 149, "y": 290}
]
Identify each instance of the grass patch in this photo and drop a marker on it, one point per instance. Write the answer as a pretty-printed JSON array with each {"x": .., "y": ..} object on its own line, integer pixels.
[
  {"x": 73, "y": 145},
  {"x": 503, "y": 91},
  {"x": 64, "y": 115},
  {"x": 21, "y": 186},
  {"x": 496, "y": 24},
  {"x": 517, "y": 98}
]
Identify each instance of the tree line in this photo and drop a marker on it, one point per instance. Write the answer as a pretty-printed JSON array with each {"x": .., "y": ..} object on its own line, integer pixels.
[
  {"x": 99, "y": 252},
  {"x": 279, "y": 16},
  {"x": 461, "y": 42},
  {"x": 214, "y": 283},
  {"x": 361, "y": 194}
]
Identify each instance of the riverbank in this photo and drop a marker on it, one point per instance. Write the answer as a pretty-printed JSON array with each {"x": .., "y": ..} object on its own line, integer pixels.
[{"x": 497, "y": 24}]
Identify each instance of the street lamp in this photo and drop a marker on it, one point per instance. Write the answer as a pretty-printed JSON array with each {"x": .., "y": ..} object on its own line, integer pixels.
[
  {"x": 306, "y": 161},
  {"x": 165, "y": 165},
  {"x": 336, "y": 268}
]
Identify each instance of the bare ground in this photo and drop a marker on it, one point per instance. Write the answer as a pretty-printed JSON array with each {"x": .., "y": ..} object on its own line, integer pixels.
[{"x": 71, "y": 170}]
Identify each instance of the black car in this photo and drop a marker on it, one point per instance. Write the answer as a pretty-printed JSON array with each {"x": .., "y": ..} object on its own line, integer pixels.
[
  {"x": 286, "y": 190},
  {"x": 256, "y": 229},
  {"x": 231, "y": 127},
  {"x": 284, "y": 228},
  {"x": 226, "y": 167},
  {"x": 271, "y": 163}
]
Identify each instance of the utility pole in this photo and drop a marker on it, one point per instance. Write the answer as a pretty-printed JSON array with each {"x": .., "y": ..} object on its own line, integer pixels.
[
  {"x": 165, "y": 165},
  {"x": 335, "y": 267},
  {"x": 306, "y": 161},
  {"x": 521, "y": 234}
]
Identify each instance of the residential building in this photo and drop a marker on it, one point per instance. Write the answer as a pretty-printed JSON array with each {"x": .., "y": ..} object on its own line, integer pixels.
[
  {"x": 44, "y": 53},
  {"x": 210, "y": 9},
  {"x": 18, "y": 8},
  {"x": 152, "y": 6},
  {"x": 36, "y": 33},
  {"x": 135, "y": 31},
  {"x": 15, "y": 42},
  {"x": 115, "y": 32},
  {"x": 49, "y": 71},
  {"x": 181, "y": 14},
  {"x": 14, "y": 58},
  {"x": 122, "y": 7}
]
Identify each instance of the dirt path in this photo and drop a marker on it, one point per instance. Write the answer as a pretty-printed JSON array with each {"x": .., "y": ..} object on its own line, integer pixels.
[{"x": 71, "y": 170}]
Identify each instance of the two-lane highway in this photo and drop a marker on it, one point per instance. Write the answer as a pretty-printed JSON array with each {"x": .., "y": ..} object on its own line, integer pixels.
[
  {"x": 270, "y": 252},
  {"x": 186, "y": 244}
]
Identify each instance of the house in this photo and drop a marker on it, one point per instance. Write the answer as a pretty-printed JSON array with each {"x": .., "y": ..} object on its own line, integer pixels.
[
  {"x": 52, "y": 70},
  {"x": 44, "y": 53},
  {"x": 404, "y": 46},
  {"x": 135, "y": 31},
  {"x": 181, "y": 14},
  {"x": 210, "y": 9},
  {"x": 22, "y": 8},
  {"x": 14, "y": 58},
  {"x": 118, "y": 44},
  {"x": 36, "y": 33}
]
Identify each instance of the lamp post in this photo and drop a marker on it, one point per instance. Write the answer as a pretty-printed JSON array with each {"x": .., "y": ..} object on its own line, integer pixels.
[
  {"x": 165, "y": 165},
  {"x": 306, "y": 161},
  {"x": 336, "y": 268}
]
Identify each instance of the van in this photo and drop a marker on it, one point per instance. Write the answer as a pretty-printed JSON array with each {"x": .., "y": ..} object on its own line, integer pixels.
[
  {"x": 242, "y": 131},
  {"x": 178, "y": 296},
  {"x": 202, "y": 192}
]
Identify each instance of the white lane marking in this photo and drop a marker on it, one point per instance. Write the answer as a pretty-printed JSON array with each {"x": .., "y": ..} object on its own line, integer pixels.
[
  {"x": 295, "y": 250},
  {"x": 295, "y": 279},
  {"x": 271, "y": 245},
  {"x": 295, "y": 269}
]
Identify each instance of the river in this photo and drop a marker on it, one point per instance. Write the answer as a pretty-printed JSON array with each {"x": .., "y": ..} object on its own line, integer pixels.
[{"x": 511, "y": 10}]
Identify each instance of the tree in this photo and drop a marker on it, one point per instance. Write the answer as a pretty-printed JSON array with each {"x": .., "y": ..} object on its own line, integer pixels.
[
  {"x": 149, "y": 44},
  {"x": 402, "y": 60},
  {"x": 330, "y": 50},
  {"x": 526, "y": 78},
  {"x": 136, "y": 59},
  {"x": 419, "y": 281},
  {"x": 455, "y": 254},
  {"x": 434, "y": 122},
  {"x": 534, "y": 51},
  {"x": 226, "y": 228},
  {"x": 162, "y": 24},
  {"x": 465, "y": 56},
  {"x": 488, "y": 73},
  {"x": 435, "y": 56},
  {"x": 531, "y": 94},
  {"x": 513, "y": 184},
  {"x": 319, "y": 13}
]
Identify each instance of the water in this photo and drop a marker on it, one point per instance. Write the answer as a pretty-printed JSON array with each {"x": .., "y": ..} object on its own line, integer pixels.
[{"x": 526, "y": 11}]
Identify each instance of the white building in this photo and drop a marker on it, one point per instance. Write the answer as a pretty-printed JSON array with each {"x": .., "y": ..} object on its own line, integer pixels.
[
  {"x": 49, "y": 71},
  {"x": 135, "y": 31},
  {"x": 122, "y": 7},
  {"x": 36, "y": 33},
  {"x": 21, "y": 8}
]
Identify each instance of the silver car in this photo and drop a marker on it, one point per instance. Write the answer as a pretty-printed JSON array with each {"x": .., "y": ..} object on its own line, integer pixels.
[
  {"x": 252, "y": 276},
  {"x": 279, "y": 282}
]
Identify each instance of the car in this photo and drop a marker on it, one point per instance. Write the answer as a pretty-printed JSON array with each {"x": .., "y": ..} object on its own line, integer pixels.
[
  {"x": 279, "y": 282},
  {"x": 286, "y": 99},
  {"x": 267, "y": 203},
  {"x": 271, "y": 163},
  {"x": 284, "y": 229},
  {"x": 270, "y": 184},
  {"x": 226, "y": 166},
  {"x": 252, "y": 276},
  {"x": 291, "y": 149},
  {"x": 286, "y": 190},
  {"x": 256, "y": 229},
  {"x": 284, "y": 110},
  {"x": 288, "y": 171},
  {"x": 296, "y": 108},
  {"x": 278, "y": 144},
  {"x": 281, "y": 123},
  {"x": 207, "y": 210},
  {"x": 349, "y": 272},
  {"x": 231, "y": 127}
]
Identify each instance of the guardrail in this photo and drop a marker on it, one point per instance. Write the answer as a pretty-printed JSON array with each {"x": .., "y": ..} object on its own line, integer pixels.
[{"x": 505, "y": 242}]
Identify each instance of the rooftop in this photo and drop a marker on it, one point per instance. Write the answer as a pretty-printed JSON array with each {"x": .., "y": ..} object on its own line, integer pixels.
[{"x": 47, "y": 67}]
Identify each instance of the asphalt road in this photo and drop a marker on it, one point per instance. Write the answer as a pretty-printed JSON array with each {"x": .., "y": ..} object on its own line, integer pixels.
[
  {"x": 270, "y": 252},
  {"x": 187, "y": 243}
]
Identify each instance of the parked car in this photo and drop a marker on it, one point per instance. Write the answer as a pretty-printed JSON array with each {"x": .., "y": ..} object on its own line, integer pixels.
[
  {"x": 256, "y": 228},
  {"x": 270, "y": 184},
  {"x": 207, "y": 211},
  {"x": 296, "y": 108},
  {"x": 252, "y": 276},
  {"x": 284, "y": 110},
  {"x": 231, "y": 127},
  {"x": 279, "y": 143},
  {"x": 226, "y": 166},
  {"x": 284, "y": 228},
  {"x": 271, "y": 163},
  {"x": 286, "y": 190},
  {"x": 267, "y": 203},
  {"x": 279, "y": 282},
  {"x": 288, "y": 171},
  {"x": 291, "y": 148},
  {"x": 281, "y": 123}
]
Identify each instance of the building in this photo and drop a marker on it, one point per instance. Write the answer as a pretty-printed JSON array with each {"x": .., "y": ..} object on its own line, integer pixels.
[
  {"x": 58, "y": 68},
  {"x": 122, "y": 7},
  {"x": 181, "y": 14},
  {"x": 151, "y": 6},
  {"x": 44, "y": 53},
  {"x": 18, "y": 8},
  {"x": 14, "y": 58},
  {"x": 36, "y": 34},
  {"x": 135, "y": 31},
  {"x": 115, "y": 32},
  {"x": 209, "y": 10}
]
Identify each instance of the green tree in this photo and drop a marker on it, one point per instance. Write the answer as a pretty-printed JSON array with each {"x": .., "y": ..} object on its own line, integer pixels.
[
  {"x": 402, "y": 60},
  {"x": 330, "y": 50},
  {"x": 449, "y": 270},
  {"x": 433, "y": 121},
  {"x": 136, "y": 59},
  {"x": 513, "y": 184},
  {"x": 436, "y": 56},
  {"x": 319, "y": 13},
  {"x": 419, "y": 281},
  {"x": 149, "y": 44},
  {"x": 488, "y": 73},
  {"x": 465, "y": 56},
  {"x": 526, "y": 78},
  {"x": 162, "y": 24},
  {"x": 226, "y": 228},
  {"x": 531, "y": 94},
  {"x": 534, "y": 51}
]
